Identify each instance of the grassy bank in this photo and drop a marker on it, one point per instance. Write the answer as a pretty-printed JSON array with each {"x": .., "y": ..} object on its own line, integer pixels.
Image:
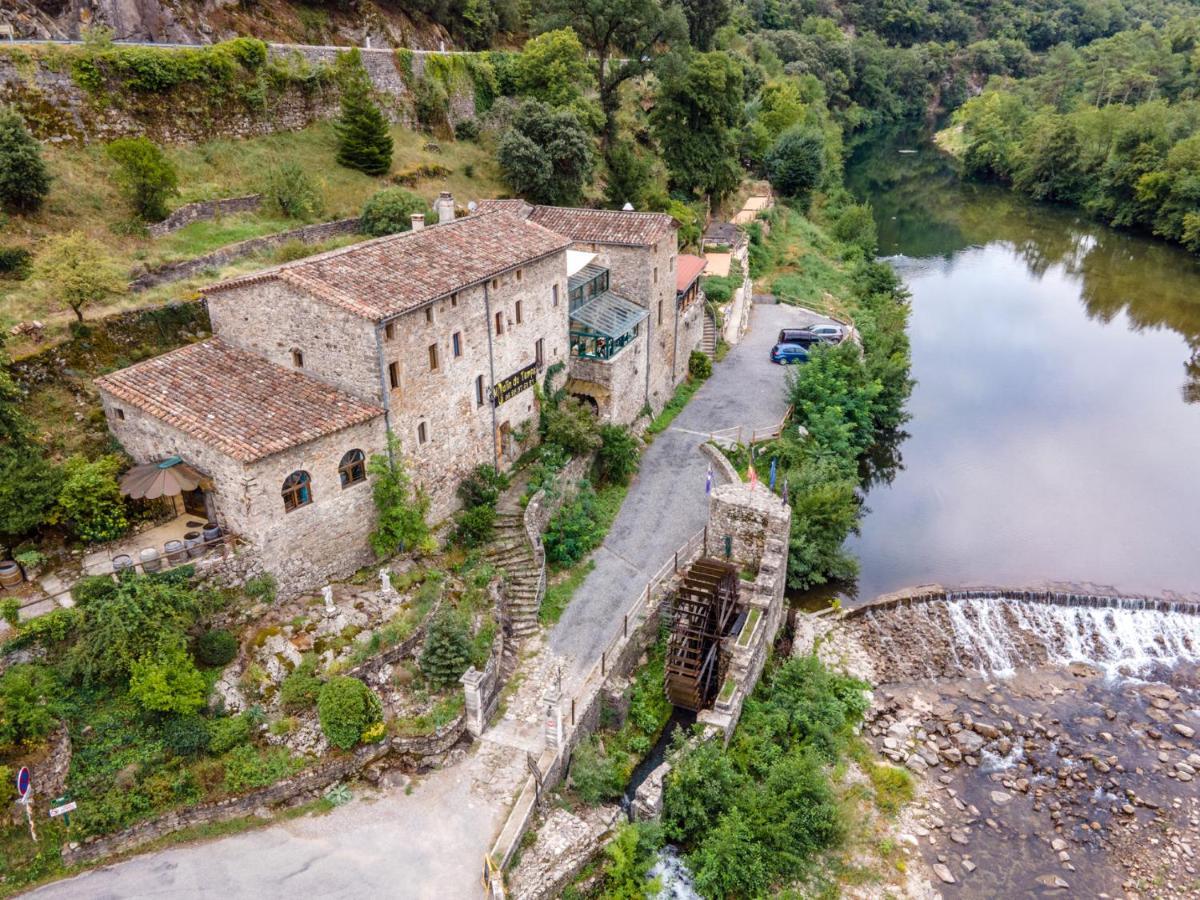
[{"x": 84, "y": 197}]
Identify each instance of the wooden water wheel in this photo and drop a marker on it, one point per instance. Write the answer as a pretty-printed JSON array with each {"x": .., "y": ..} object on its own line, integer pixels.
[{"x": 706, "y": 607}]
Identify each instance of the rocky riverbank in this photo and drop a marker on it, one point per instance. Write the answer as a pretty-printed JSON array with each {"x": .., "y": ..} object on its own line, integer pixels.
[{"x": 1057, "y": 781}]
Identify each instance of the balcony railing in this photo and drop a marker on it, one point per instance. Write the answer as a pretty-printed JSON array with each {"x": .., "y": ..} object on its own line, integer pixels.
[{"x": 588, "y": 345}]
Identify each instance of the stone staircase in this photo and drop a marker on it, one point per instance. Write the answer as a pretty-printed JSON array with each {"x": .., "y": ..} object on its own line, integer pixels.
[
  {"x": 708, "y": 342},
  {"x": 524, "y": 570}
]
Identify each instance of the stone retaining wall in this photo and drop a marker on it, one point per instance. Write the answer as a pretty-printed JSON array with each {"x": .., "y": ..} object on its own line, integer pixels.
[
  {"x": 286, "y": 792},
  {"x": 309, "y": 234},
  {"x": 203, "y": 210}
]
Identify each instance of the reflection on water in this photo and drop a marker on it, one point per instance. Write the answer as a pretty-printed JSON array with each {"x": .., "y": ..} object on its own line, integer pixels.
[{"x": 1054, "y": 430}]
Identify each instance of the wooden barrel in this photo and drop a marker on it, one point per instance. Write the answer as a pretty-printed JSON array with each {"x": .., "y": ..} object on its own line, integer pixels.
[{"x": 10, "y": 574}]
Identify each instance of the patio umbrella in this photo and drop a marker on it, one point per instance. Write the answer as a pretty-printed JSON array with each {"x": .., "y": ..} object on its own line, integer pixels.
[{"x": 161, "y": 479}]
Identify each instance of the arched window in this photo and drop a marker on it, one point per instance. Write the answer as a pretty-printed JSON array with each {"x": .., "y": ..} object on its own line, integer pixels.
[
  {"x": 297, "y": 491},
  {"x": 353, "y": 468}
]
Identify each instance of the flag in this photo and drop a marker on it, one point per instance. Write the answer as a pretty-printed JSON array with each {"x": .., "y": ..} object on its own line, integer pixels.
[
  {"x": 708, "y": 482},
  {"x": 772, "y": 474},
  {"x": 753, "y": 477}
]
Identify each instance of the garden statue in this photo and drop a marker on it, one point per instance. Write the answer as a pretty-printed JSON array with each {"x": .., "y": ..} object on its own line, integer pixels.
[
  {"x": 327, "y": 593},
  {"x": 385, "y": 583}
]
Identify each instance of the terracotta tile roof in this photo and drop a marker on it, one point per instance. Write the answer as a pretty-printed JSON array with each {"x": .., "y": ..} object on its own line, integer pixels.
[
  {"x": 687, "y": 269},
  {"x": 235, "y": 402},
  {"x": 395, "y": 274},
  {"x": 517, "y": 207},
  {"x": 604, "y": 226}
]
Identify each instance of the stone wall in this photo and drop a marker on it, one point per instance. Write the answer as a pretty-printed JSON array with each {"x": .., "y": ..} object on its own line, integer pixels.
[
  {"x": 306, "y": 785},
  {"x": 203, "y": 210},
  {"x": 624, "y": 376},
  {"x": 38, "y": 81},
  {"x": 309, "y": 234},
  {"x": 460, "y": 432}
]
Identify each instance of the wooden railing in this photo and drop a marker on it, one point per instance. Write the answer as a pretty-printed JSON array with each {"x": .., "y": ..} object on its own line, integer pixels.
[{"x": 756, "y": 435}]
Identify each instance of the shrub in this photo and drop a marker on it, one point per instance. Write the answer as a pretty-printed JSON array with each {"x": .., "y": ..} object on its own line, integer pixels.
[
  {"x": 475, "y": 526},
  {"x": 301, "y": 687},
  {"x": 292, "y": 192},
  {"x": 700, "y": 787},
  {"x": 699, "y": 365},
  {"x": 546, "y": 155},
  {"x": 390, "y": 211},
  {"x": 574, "y": 531},
  {"x": 571, "y": 425},
  {"x": 145, "y": 175},
  {"x": 29, "y": 704},
  {"x": 262, "y": 588},
  {"x": 347, "y": 708},
  {"x": 364, "y": 141},
  {"x": 10, "y": 610},
  {"x": 447, "y": 651},
  {"x": 483, "y": 486},
  {"x": 227, "y": 733},
  {"x": 431, "y": 103},
  {"x": 24, "y": 179},
  {"x": 595, "y": 776},
  {"x": 216, "y": 648},
  {"x": 168, "y": 681},
  {"x": 730, "y": 862},
  {"x": 186, "y": 735},
  {"x": 90, "y": 502},
  {"x": 630, "y": 858},
  {"x": 466, "y": 130},
  {"x": 617, "y": 459},
  {"x": 247, "y": 767},
  {"x": 15, "y": 262}
]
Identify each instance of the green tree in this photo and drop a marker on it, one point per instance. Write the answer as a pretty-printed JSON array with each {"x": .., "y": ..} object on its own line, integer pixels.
[
  {"x": 447, "y": 651},
  {"x": 76, "y": 271},
  {"x": 90, "y": 502},
  {"x": 1049, "y": 161},
  {"x": 697, "y": 792},
  {"x": 401, "y": 524},
  {"x": 145, "y": 175},
  {"x": 133, "y": 620},
  {"x": 623, "y": 36},
  {"x": 552, "y": 68},
  {"x": 29, "y": 486},
  {"x": 617, "y": 459},
  {"x": 24, "y": 179},
  {"x": 364, "y": 141},
  {"x": 391, "y": 210},
  {"x": 167, "y": 681},
  {"x": 695, "y": 118},
  {"x": 546, "y": 155},
  {"x": 629, "y": 178},
  {"x": 292, "y": 192},
  {"x": 797, "y": 162},
  {"x": 704, "y": 19},
  {"x": 630, "y": 857},
  {"x": 571, "y": 425},
  {"x": 29, "y": 704},
  {"x": 347, "y": 708}
]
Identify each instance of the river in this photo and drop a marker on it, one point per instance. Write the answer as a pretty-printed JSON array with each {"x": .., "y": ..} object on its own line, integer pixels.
[{"x": 1055, "y": 430}]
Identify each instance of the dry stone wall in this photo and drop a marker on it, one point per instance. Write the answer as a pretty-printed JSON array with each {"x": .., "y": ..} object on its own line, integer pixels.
[{"x": 202, "y": 211}]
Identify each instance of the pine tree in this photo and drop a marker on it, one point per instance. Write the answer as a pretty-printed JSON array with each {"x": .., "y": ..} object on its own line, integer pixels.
[
  {"x": 24, "y": 181},
  {"x": 364, "y": 142},
  {"x": 447, "y": 651}
]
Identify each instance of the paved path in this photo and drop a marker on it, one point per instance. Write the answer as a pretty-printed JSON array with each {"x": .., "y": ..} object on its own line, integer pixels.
[{"x": 667, "y": 504}]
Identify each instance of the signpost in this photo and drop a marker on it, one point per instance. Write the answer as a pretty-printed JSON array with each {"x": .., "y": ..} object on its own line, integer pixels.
[
  {"x": 25, "y": 789},
  {"x": 509, "y": 387},
  {"x": 65, "y": 807}
]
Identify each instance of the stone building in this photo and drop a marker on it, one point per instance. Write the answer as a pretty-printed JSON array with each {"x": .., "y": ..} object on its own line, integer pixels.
[
  {"x": 630, "y": 336},
  {"x": 436, "y": 336}
]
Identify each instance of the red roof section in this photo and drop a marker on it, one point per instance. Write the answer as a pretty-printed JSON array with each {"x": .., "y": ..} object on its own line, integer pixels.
[
  {"x": 234, "y": 401},
  {"x": 391, "y": 275},
  {"x": 687, "y": 270}
]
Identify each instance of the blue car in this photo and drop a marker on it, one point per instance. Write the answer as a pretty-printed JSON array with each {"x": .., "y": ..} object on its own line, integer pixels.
[{"x": 786, "y": 354}]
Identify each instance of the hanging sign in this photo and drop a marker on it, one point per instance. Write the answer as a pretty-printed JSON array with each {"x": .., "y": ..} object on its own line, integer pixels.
[{"x": 509, "y": 387}]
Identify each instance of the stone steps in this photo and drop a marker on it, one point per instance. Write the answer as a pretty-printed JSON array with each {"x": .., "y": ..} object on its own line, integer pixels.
[{"x": 512, "y": 551}]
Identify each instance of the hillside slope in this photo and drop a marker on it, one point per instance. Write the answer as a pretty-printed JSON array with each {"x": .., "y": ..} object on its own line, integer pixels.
[{"x": 381, "y": 24}]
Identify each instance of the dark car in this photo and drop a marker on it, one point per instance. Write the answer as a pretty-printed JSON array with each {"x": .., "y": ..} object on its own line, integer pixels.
[
  {"x": 811, "y": 334},
  {"x": 787, "y": 354},
  {"x": 802, "y": 336}
]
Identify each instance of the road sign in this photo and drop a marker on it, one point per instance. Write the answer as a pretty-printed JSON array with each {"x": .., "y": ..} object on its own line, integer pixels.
[
  {"x": 63, "y": 810},
  {"x": 23, "y": 782}
]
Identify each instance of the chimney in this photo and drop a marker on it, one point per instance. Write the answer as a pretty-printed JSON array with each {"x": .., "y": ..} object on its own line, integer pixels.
[
  {"x": 418, "y": 221},
  {"x": 444, "y": 207}
]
